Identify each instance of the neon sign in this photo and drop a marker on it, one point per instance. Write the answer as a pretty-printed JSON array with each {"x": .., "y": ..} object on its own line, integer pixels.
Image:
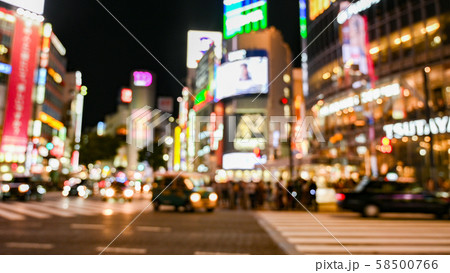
[
  {"x": 142, "y": 78},
  {"x": 317, "y": 7},
  {"x": 126, "y": 95},
  {"x": 303, "y": 28},
  {"x": 437, "y": 125},
  {"x": 201, "y": 99},
  {"x": 355, "y": 8},
  {"x": 243, "y": 16}
]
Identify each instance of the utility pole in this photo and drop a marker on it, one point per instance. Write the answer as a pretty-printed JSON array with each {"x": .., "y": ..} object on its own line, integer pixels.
[{"x": 425, "y": 72}]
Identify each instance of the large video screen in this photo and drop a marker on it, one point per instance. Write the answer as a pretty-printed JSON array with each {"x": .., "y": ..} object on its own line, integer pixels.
[{"x": 247, "y": 76}]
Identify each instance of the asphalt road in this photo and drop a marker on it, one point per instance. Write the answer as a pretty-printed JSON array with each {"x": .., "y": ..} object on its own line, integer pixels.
[{"x": 74, "y": 225}]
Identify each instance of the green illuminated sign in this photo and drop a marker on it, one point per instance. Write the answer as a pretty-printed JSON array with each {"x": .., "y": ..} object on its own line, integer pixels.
[{"x": 243, "y": 16}]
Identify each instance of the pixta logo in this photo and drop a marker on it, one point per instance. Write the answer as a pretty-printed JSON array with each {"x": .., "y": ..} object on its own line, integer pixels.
[{"x": 141, "y": 125}]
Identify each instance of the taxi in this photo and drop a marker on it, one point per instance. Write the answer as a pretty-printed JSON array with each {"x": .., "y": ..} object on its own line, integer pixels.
[{"x": 187, "y": 190}]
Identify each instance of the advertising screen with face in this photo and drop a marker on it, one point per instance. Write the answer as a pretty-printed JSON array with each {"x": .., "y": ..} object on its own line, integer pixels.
[{"x": 248, "y": 76}]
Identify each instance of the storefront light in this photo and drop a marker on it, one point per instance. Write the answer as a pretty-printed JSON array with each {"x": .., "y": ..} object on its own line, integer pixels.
[
  {"x": 437, "y": 40},
  {"x": 415, "y": 138},
  {"x": 423, "y": 152},
  {"x": 427, "y": 69},
  {"x": 379, "y": 101},
  {"x": 405, "y": 139},
  {"x": 406, "y": 38},
  {"x": 326, "y": 75},
  {"x": 374, "y": 50},
  {"x": 427, "y": 139}
]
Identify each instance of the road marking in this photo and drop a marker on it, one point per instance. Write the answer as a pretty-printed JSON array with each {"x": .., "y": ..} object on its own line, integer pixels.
[
  {"x": 52, "y": 210},
  {"x": 15, "y": 208},
  {"x": 370, "y": 241},
  {"x": 153, "y": 229},
  {"x": 122, "y": 250},
  {"x": 359, "y": 235},
  {"x": 11, "y": 216},
  {"x": 87, "y": 226},
  {"x": 371, "y": 249},
  {"x": 218, "y": 253},
  {"x": 29, "y": 245}
]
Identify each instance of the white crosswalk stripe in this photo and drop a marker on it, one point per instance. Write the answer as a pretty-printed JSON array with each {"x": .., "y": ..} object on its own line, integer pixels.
[
  {"x": 300, "y": 233},
  {"x": 66, "y": 207}
]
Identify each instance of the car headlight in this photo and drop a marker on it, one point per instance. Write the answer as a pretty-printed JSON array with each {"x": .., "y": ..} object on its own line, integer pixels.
[
  {"x": 5, "y": 188},
  {"x": 81, "y": 193},
  {"x": 41, "y": 190},
  {"x": 128, "y": 193},
  {"x": 195, "y": 197},
  {"x": 24, "y": 188},
  {"x": 213, "y": 196},
  {"x": 65, "y": 193},
  {"x": 109, "y": 193},
  {"x": 66, "y": 188},
  {"x": 146, "y": 188},
  {"x": 81, "y": 188}
]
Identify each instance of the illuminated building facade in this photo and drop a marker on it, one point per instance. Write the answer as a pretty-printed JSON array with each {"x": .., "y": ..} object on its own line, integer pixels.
[
  {"x": 19, "y": 48},
  {"x": 381, "y": 69}
]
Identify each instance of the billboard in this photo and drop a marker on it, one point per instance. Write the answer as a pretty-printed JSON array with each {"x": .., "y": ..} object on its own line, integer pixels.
[
  {"x": 248, "y": 76},
  {"x": 243, "y": 16},
  {"x": 165, "y": 104},
  {"x": 317, "y": 7},
  {"x": 354, "y": 41},
  {"x": 21, "y": 80},
  {"x": 36, "y": 6},
  {"x": 199, "y": 42}
]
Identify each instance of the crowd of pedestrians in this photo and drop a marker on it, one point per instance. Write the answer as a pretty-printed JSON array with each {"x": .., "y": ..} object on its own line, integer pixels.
[{"x": 297, "y": 194}]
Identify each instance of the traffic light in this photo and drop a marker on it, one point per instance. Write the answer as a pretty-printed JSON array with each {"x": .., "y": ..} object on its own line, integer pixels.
[
  {"x": 284, "y": 101},
  {"x": 386, "y": 147}
]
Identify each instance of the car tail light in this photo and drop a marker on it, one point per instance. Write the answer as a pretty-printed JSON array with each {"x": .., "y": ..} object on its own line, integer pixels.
[{"x": 340, "y": 196}]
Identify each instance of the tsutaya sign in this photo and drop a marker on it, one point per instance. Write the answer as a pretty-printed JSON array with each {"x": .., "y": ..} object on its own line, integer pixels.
[
  {"x": 243, "y": 16},
  {"x": 437, "y": 125}
]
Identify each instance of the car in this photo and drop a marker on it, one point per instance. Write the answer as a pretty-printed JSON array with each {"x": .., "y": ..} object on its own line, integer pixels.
[
  {"x": 371, "y": 197},
  {"x": 117, "y": 190},
  {"x": 23, "y": 188},
  {"x": 186, "y": 190},
  {"x": 76, "y": 187}
]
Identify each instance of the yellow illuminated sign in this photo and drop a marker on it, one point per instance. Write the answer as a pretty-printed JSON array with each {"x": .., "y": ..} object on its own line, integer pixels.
[
  {"x": 317, "y": 7},
  {"x": 51, "y": 121},
  {"x": 177, "y": 149}
]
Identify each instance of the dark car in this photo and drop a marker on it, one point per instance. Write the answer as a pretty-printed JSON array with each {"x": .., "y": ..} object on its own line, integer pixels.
[
  {"x": 371, "y": 197},
  {"x": 186, "y": 190},
  {"x": 23, "y": 188},
  {"x": 77, "y": 187},
  {"x": 117, "y": 191}
]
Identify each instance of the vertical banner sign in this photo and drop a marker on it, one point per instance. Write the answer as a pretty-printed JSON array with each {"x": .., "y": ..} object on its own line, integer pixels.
[{"x": 21, "y": 80}]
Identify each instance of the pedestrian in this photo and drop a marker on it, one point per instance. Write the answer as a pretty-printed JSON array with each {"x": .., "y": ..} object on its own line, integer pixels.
[
  {"x": 290, "y": 198},
  {"x": 279, "y": 196},
  {"x": 313, "y": 192},
  {"x": 260, "y": 194},
  {"x": 251, "y": 190}
]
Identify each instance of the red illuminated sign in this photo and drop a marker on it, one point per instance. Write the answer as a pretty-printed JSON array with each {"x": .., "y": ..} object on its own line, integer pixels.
[
  {"x": 126, "y": 95},
  {"x": 18, "y": 109}
]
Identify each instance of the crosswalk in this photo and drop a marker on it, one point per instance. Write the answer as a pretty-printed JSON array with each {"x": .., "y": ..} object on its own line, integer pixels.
[
  {"x": 344, "y": 233},
  {"x": 66, "y": 207}
]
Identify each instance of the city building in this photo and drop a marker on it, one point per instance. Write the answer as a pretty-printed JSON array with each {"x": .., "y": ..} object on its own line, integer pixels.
[
  {"x": 379, "y": 87},
  {"x": 19, "y": 48}
]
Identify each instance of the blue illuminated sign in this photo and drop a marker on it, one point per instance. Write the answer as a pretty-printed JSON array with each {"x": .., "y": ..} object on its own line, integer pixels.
[{"x": 5, "y": 68}]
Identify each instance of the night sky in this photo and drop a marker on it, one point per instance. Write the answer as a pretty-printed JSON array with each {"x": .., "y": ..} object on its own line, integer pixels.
[{"x": 106, "y": 54}]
